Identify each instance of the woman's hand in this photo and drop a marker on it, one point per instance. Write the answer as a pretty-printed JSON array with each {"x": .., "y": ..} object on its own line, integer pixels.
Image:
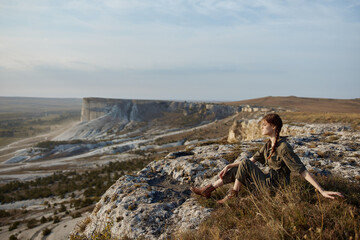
[
  {"x": 313, "y": 182},
  {"x": 329, "y": 194},
  {"x": 222, "y": 173}
]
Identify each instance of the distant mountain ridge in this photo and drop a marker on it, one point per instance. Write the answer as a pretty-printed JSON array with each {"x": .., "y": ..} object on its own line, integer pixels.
[{"x": 302, "y": 104}]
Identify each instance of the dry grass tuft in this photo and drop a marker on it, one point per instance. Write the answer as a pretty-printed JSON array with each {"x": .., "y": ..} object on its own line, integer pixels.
[
  {"x": 296, "y": 212},
  {"x": 234, "y": 154},
  {"x": 83, "y": 224}
]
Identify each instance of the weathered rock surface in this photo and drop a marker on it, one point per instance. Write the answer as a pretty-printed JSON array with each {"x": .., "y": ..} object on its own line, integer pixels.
[
  {"x": 246, "y": 130},
  {"x": 157, "y": 203},
  {"x": 145, "y": 110}
]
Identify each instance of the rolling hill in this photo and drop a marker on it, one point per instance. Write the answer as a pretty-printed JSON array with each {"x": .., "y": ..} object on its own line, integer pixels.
[{"x": 302, "y": 104}]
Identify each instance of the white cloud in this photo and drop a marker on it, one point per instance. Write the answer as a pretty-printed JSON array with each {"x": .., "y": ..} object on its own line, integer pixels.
[{"x": 170, "y": 39}]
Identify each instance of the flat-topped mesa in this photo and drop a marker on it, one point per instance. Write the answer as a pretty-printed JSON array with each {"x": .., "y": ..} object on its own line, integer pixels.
[
  {"x": 145, "y": 110},
  {"x": 102, "y": 118}
]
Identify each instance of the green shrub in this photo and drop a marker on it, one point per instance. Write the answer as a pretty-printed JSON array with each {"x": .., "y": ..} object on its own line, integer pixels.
[
  {"x": 56, "y": 219},
  {"x": 13, "y": 237},
  {"x": 46, "y": 232},
  {"x": 76, "y": 215},
  {"x": 43, "y": 220},
  {"x": 31, "y": 223},
  {"x": 62, "y": 208},
  {"x": 4, "y": 213},
  {"x": 13, "y": 226}
]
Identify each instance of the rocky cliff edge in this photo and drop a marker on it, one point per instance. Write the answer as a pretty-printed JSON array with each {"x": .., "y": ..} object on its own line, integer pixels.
[{"x": 157, "y": 204}]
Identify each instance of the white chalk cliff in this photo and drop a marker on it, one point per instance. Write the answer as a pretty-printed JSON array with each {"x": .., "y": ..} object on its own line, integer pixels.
[{"x": 98, "y": 115}]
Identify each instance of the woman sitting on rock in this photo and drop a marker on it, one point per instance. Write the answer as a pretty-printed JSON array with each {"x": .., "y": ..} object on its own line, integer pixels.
[{"x": 277, "y": 154}]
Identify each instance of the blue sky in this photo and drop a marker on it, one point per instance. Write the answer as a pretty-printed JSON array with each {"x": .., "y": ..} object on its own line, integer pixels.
[{"x": 180, "y": 49}]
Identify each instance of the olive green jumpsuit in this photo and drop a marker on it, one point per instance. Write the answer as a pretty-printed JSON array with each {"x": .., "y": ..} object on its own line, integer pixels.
[{"x": 282, "y": 162}]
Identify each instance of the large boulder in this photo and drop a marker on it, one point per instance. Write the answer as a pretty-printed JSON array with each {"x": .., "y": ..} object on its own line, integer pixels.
[
  {"x": 244, "y": 130},
  {"x": 156, "y": 203}
]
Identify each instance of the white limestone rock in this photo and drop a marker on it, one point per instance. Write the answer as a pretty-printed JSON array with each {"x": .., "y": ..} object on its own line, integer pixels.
[{"x": 157, "y": 204}]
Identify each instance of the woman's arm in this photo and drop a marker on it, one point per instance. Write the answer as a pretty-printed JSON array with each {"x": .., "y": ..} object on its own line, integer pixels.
[
  {"x": 232, "y": 165},
  {"x": 313, "y": 182},
  {"x": 227, "y": 167}
]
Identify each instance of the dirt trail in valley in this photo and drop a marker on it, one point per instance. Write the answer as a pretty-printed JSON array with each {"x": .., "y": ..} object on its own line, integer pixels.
[
  {"x": 30, "y": 169},
  {"x": 9, "y": 151}
]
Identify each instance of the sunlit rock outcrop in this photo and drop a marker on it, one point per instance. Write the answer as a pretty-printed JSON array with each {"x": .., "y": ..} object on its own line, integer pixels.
[{"x": 156, "y": 202}]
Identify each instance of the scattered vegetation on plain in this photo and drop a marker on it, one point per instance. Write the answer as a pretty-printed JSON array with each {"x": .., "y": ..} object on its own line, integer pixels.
[
  {"x": 93, "y": 182},
  {"x": 49, "y": 145},
  {"x": 15, "y": 126}
]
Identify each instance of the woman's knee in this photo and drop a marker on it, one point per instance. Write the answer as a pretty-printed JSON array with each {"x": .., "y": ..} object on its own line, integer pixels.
[
  {"x": 229, "y": 176},
  {"x": 244, "y": 164},
  {"x": 243, "y": 170}
]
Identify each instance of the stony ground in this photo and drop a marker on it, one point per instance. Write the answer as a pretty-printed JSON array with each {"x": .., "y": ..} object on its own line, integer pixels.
[{"x": 157, "y": 204}]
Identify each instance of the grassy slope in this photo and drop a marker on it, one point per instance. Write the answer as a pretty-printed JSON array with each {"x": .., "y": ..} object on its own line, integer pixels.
[
  {"x": 297, "y": 212},
  {"x": 312, "y": 110},
  {"x": 310, "y": 105}
]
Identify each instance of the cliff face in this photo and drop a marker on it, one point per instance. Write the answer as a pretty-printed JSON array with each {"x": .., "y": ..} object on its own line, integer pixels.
[
  {"x": 145, "y": 110},
  {"x": 100, "y": 116}
]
